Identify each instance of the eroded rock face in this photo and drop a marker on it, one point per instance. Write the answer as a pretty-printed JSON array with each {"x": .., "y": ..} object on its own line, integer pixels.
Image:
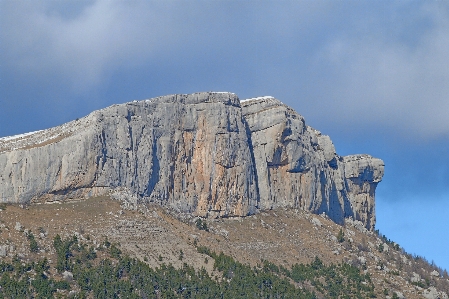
[
  {"x": 297, "y": 166},
  {"x": 204, "y": 153}
]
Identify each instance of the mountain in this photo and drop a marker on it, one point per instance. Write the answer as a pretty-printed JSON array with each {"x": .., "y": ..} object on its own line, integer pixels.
[
  {"x": 208, "y": 154},
  {"x": 196, "y": 196}
]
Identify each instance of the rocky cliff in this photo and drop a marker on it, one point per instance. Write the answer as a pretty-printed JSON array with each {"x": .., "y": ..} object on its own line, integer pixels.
[{"x": 205, "y": 153}]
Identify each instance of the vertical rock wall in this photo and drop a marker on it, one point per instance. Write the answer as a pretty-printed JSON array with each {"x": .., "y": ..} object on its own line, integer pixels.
[
  {"x": 297, "y": 166},
  {"x": 204, "y": 153}
]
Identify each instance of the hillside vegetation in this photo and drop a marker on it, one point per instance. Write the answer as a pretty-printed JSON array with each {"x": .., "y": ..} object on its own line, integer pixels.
[
  {"x": 96, "y": 248},
  {"x": 85, "y": 274}
]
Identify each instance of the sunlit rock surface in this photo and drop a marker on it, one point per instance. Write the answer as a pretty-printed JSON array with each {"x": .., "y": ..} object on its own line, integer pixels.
[{"x": 205, "y": 153}]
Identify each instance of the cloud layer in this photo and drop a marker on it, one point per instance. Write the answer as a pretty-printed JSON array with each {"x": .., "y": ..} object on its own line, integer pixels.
[
  {"x": 84, "y": 47},
  {"x": 359, "y": 65},
  {"x": 398, "y": 80}
]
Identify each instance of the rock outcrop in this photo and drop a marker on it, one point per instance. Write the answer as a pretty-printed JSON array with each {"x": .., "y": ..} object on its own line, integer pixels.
[
  {"x": 205, "y": 153},
  {"x": 297, "y": 166}
]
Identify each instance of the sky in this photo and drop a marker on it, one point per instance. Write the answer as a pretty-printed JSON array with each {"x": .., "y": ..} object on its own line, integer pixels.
[{"x": 373, "y": 75}]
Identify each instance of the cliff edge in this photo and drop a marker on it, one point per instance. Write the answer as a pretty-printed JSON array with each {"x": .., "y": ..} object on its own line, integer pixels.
[{"x": 206, "y": 153}]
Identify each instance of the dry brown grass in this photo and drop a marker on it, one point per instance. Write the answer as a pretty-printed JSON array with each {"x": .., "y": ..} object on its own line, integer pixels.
[
  {"x": 47, "y": 142},
  {"x": 283, "y": 237},
  {"x": 21, "y": 144}
]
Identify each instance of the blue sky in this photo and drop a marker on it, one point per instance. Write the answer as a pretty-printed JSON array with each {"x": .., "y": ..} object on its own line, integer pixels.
[{"x": 374, "y": 75}]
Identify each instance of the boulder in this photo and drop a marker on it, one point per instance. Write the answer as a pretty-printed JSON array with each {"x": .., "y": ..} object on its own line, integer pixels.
[
  {"x": 435, "y": 273},
  {"x": 18, "y": 226},
  {"x": 67, "y": 275},
  {"x": 316, "y": 222},
  {"x": 432, "y": 293},
  {"x": 3, "y": 250},
  {"x": 415, "y": 278},
  {"x": 362, "y": 260},
  {"x": 400, "y": 295}
]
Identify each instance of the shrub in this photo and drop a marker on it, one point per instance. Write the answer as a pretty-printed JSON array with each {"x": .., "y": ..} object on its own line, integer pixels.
[
  {"x": 181, "y": 255},
  {"x": 201, "y": 225},
  {"x": 114, "y": 251},
  {"x": 33, "y": 244},
  {"x": 381, "y": 247},
  {"x": 106, "y": 243},
  {"x": 341, "y": 236}
]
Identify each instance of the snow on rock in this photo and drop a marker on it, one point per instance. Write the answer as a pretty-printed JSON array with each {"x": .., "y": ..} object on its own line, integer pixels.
[
  {"x": 257, "y": 99},
  {"x": 8, "y": 138}
]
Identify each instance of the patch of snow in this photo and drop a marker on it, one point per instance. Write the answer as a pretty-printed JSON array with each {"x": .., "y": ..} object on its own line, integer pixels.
[
  {"x": 7, "y": 138},
  {"x": 257, "y": 98},
  {"x": 15, "y": 142}
]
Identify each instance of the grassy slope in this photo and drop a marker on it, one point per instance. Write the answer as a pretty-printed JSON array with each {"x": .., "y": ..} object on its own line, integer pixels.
[{"x": 282, "y": 237}]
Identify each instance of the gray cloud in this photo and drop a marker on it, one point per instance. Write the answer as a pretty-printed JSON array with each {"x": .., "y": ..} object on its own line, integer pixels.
[
  {"x": 379, "y": 81},
  {"x": 87, "y": 40},
  {"x": 102, "y": 36},
  {"x": 359, "y": 63}
]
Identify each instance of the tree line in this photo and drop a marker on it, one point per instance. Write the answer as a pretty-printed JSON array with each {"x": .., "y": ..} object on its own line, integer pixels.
[{"x": 120, "y": 276}]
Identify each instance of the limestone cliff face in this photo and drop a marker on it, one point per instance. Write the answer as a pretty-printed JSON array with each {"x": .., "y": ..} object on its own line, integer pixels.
[
  {"x": 204, "y": 153},
  {"x": 297, "y": 166}
]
